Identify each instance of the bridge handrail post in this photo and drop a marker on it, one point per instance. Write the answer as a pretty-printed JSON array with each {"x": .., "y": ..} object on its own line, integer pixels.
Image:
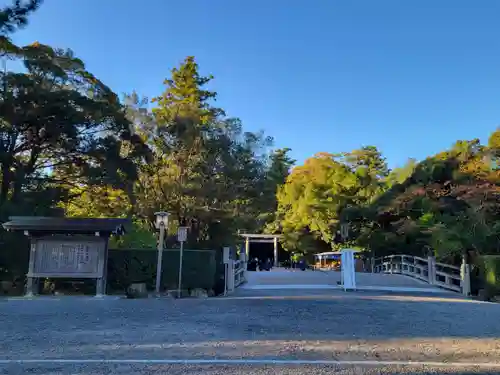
[
  {"x": 400, "y": 264},
  {"x": 441, "y": 275},
  {"x": 465, "y": 277},
  {"x": 231, "y": 275},
  {"x": 431, "y": 269},
  {"x": 243, "y": 260}
]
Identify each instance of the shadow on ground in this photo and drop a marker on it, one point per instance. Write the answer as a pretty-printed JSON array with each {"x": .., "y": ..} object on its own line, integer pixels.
[{"x": 334, "y": 326}]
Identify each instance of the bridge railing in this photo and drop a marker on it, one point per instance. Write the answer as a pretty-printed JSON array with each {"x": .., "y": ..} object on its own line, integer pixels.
[
  {"x": 448, "y": 276},
  {"x": 235, "y": 272},
  {"x": 428, "y": 270},
  {"x": 239, "y": 272}
]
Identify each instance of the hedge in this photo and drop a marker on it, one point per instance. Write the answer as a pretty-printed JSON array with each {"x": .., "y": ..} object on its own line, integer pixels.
[
  {"x": 127, "y": 266},
  {"x": 489, "y": 273},
  {"x": 201, "y": 269}
]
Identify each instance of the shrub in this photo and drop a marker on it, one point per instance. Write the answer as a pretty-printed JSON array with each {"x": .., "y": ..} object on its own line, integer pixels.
[
  {"x": 127, "y": 266},
  {"x": 489, "y": 266},
  {"x": 201, "y": 269}
]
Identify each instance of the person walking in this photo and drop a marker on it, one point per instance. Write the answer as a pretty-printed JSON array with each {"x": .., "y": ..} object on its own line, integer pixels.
[{"x": 268, "y": 264}]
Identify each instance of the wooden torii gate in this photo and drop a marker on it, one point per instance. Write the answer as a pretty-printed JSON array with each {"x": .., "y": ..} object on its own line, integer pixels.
[{"x": 266, "y": 238}]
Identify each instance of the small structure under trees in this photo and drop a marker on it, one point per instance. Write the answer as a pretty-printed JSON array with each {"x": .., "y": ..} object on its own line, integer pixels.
[
  {"x": 266, "y": 238},
  {"x": 67, "y": 247}
]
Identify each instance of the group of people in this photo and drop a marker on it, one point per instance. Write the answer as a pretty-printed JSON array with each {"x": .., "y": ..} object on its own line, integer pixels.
[
  {"x": 266, "y": 265},
  {"x": 300, "y": 264},
  {"x": 261, "y": 265}
]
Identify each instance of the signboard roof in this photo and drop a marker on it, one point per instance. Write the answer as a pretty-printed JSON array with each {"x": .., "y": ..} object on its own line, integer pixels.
[{"x": 62, "y": 225}]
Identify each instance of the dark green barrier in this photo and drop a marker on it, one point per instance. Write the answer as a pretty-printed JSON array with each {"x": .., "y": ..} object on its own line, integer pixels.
[
  {"x": 489, "y": 273},
  {"x": 201, "y": 269},
  {"x": 139, "y": 266},
  {"x": 219, "y": 281}
]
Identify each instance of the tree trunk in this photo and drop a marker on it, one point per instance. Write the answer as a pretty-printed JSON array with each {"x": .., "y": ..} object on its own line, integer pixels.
[{"x": 6, "y": 182}]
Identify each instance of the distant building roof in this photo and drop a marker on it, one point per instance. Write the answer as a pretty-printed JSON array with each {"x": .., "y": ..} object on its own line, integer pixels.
[
  {"x": 333, "y": 253},
  {"x": 57, "y": 225}
]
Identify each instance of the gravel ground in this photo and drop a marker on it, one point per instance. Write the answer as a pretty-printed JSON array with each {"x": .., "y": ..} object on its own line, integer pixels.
[
  {"x": 329, "y": 325},
  {"x": 242, "y": 370}
]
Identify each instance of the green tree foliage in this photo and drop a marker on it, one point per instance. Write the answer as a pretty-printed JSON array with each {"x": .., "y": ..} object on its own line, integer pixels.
[
  {"x": 280, "y": 164},
  {"x": 447, "y": 204},
  {"x": 16, "y": 16},
  {"x": 62, "y": 130},
  {"x": 13, "y": 18},
  {"x": 60, "y": 126},
  {"x": 315, "y": 195},
  {"x": 400, "y": 174},
  {"x": 202, "y": 168},
  {"x": 205, "y": 170},
  {"x": 68, "y": 143}
]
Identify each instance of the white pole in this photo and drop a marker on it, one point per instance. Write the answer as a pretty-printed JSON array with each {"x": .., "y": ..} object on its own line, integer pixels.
[
  {"x": 160, "y": 255},
  {"x": 180, "y": 270},
  {"x": 348, "y": 274}
]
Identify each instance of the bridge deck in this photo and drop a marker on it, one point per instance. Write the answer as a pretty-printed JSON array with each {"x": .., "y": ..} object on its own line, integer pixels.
[{"x": 284, "y": 279}]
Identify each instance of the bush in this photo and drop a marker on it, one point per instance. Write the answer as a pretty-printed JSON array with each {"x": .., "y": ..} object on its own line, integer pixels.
[
  {"x": 129, "y": 266},
  {"x": 201, "y": 269},
  {"x": 489, "y": 266},
  {"x": 219, "y": 277}
]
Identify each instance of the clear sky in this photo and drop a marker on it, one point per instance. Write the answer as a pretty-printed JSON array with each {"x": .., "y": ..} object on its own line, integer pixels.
[{"x": 409, "y": 77}]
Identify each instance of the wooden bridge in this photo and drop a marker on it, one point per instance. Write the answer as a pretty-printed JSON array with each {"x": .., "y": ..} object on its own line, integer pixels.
[
  {"x": 442, "y": 275},
  {"x": 395, "y": 273}
]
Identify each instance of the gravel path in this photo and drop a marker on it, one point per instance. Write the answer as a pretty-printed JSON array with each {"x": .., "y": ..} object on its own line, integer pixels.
[
  {"x": 124, "y": 369},
  {"x": 330, "y": 325}
]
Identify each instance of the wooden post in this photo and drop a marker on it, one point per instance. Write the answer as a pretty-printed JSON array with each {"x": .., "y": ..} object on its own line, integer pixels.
[
  {"x": 230, "y": 275},
  {"x": 275, "y": 243},
  {"x": 103, "y": 265},
  {"x": 431, "y": 269},
  {"x": 244, "y": 261},
  {"x": 31, "y": 283},
  {"x": 247, "y": 248},
  {"x": 465, "y": 277},
  {"x": 105, "y": 268}
]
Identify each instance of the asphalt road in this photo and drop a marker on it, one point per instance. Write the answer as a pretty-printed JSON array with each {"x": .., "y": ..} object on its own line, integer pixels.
[{"x": 316, "y": 333}]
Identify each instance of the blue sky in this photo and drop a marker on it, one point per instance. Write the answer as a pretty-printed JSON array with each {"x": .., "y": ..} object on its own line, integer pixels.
[{"x": 409, "y": 77}]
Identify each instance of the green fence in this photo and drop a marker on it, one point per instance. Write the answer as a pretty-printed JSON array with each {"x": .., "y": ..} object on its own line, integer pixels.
[{"x": 126, "y": 266}]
